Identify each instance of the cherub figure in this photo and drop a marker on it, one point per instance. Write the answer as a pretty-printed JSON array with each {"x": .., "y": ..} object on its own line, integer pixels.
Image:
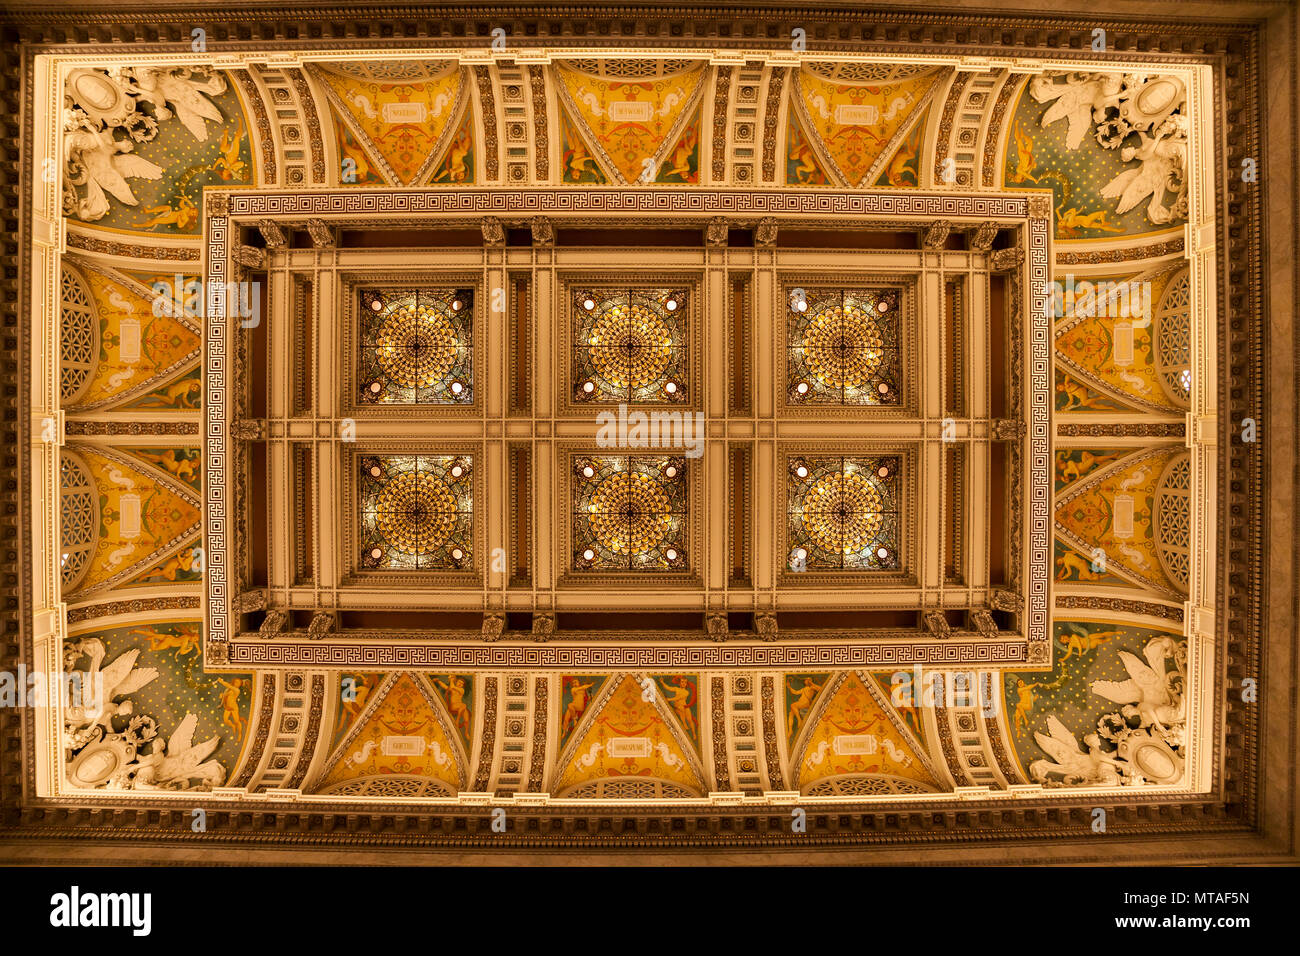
[
  {"x": 681, "y": 697},
  {"x": 186, "y": 640},
  {"x": 1024, "y": 705},
  {"x": 455, "y": 689},
  {"x": 184, "y": 215},
  {"x": 802, "y": 702},
  {"x": 230, "y": 716},
  {"x": 577, "y": 705}
]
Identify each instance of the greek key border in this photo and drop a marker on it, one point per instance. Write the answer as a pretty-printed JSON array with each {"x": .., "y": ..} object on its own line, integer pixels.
[
  {"x": 780, "y": 654},
  {"x": 551, "y": 200}
]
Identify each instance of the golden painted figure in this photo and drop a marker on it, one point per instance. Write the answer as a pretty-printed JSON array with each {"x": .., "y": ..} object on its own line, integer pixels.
[
  {"x": 455, "y": 690},
  {"x": 186, "y": 641},
  {"x": 1078, "y": 642},
  {"x": 182, "y": 216},
  {"x": 682, "y": 696},
  {"x": 1024, "y": 157},
  {"x": 228, "y": 165},
  {"x": 799, "y": 706},
  {"x": 456, "y": 169},
  {"x": 230, "y": 716},
  {"x": 1076, "y": 396},
  {"x": 1073, "y": 561},
  {"x": 169, "y": 570},
  {"x": 1025, "y": 705},
  {"x": 357, "y": 703},
  {"x": 577, "y": 705},
  {"x": 1070, "y": 470},
  {"x": 1071, "y": 220},
  {"x": 183, "y": 468},
  {"x": 183, "y": 394},
  {"x": 578, "y": 161},
  {"x": 679, "y": 163}
]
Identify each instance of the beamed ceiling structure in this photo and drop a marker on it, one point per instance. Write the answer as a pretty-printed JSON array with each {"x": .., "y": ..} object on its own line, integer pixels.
[{"x": 657, "y": 426}]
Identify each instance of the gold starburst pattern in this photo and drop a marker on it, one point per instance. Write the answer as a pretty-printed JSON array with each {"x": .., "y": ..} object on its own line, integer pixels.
[
  {"x": 629, "y": 346},
  {"x": 416, "y": 512},
  {"x": 629, "y": 513},
  {"x": 843, "y": 513},
  {"x": 416, "y": 345},
  {"x": 843, "y": 347}
]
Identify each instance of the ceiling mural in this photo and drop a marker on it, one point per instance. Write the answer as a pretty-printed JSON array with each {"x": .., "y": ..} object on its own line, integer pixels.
[
  {"x": 1112, "y": 711},
  {"x": 633, "y": 731},
  {"x": 184, "y": 566},
  {"x": 815, "y": 347},
  {"x": 853, "y": 732},
  {"x": 353, "y": 692},
  {"x": 801, "y": 692},
  {"x": 185, "y": 464},
  {"x": 403, "y": 117},
  {"x": 1124, "y": 337},
  {"x": 159, "y": 720},
  {"x": 639, "y": 127},
  {"x": 151, "y": 139},
  {"x": 355, "y": 165},
  {"x": 404, "y": 731},
  {"x": 141, "y": 343},
  {"x": 911, "y": 490},
  {"x": 578, "y": 163},
  {"x": 903, "y": 169},
  {"x": 802, "y": 166},
  {"x": 1080, "y": 134},
  {"x": 577, "y": 692},
  {"x": 140, "y": 512},
  {"x": 853, "y": 126},
  {"x": 1112, "y": 517}
]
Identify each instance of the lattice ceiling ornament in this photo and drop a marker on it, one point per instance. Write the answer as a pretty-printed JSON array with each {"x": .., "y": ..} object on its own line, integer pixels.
[
  {"x": 78, "y": 338},
  {"x": 416, "y": 512},
  {"x": 843, "y": 347},
  {"x": 629, "y": 513},
  {"x": 855, "y": 71},
  {"x": 629, "y": 345},
  {"x": 629, "y": 788},
  {"x": 843, "y": 513},
  {"x": 1173, "y": 521},
  {"x": 391, "y": 785},
  {"x": 391, "y": 71},
  {"x": 862, "y": 785},
  {"x": 416, "y": 347},
  {"x": 630, "y": 69},
  {"x": 79, "y": 520},
  {"x": 1173, "y": 331}
]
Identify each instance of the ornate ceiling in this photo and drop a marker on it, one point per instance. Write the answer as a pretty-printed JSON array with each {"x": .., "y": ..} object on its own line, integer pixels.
[{"x": 570, "y": 426}]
